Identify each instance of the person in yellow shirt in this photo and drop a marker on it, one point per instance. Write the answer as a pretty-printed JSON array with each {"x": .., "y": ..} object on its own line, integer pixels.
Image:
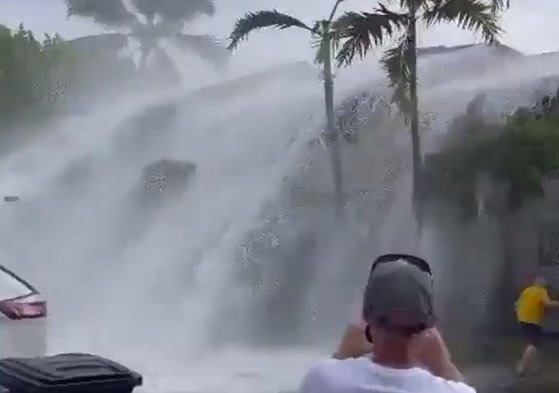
[{"x": 530, "y": 310}]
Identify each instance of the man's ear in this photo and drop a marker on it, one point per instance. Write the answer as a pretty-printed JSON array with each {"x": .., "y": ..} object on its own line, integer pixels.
[{"x": 368, "y": 335}]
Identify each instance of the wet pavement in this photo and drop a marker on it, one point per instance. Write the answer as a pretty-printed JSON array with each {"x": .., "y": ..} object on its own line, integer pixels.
[
  {"x": 498, "y": 379},
  {"x": 494, "y": 371}
]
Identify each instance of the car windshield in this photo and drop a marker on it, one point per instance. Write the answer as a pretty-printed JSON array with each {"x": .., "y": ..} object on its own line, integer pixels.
[{"x": 11, "y": 287}]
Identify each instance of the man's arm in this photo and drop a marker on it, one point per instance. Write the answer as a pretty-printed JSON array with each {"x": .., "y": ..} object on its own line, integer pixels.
[
  {"x": 547, "y": 301},
  {"x": 353, "y": 344},
  {"x": 448, "y": 371},
  {"x": 429, "y": 350}
]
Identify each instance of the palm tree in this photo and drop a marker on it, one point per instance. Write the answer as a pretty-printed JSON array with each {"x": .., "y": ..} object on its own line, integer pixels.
[
  {"x": 325, "y": 34},
  {"x": 400, "y": 62},
  {"x": 150, "y": 21}
]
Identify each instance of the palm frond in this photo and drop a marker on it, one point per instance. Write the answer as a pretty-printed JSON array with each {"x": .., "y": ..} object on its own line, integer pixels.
[
  {"x": 471, "y": 15},
  {"x": 206, "y": 47},
  {"x": 409, "y": 5},
  {"x": 395, "y": 64},
  {"x": 261, "y": 19},
  {"x": 174, "y": 11},
  {"x": 500, "y": 5},
  {"x": 111, "y": 13},
  {"x": 334, "y": 9},
  {"x": 360, "y": 31}
]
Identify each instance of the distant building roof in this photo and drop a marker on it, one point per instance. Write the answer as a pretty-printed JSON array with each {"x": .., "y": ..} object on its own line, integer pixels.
[{"x": 435, "y": 50}]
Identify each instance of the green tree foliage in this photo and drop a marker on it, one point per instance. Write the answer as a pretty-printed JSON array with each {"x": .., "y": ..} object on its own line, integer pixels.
[
  {"x": 40, "y": 80},
  {"x": 150, "y": 22},
  {"x": 33, "y": 76},
  {"x": 519, "y": 153},
  {"x": 364, "y": 30}
]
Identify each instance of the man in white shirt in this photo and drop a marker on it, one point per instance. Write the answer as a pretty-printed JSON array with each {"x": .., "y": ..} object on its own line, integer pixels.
[{"x": 408, "y": 355}]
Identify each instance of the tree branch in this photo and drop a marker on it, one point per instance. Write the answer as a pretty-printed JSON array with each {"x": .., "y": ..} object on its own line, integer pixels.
[
  {"x": 261, "y": 19},
  {"x": 333, "y": 13},
  {"x": 361, "y": 31},
  {"x": 471, "y": 15},
  {"x": 394, "y": 62}
]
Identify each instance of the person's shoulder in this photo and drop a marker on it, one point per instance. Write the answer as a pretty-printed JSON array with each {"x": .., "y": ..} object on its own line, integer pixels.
[
  {"x": 532, "y": 290},
  {"x": 325, "y": 370},
  {"x": 542, "y": 291},
  {"x": 445, "y": 386},
  {"x": 318, "y": 379},
  {"x": 325, "y": 375}
]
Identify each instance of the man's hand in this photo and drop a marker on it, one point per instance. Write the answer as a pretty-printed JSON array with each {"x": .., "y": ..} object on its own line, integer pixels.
[
  {"x": 354, "y": 344},
  {"x": 553, "y": 303},
  {"x": 429, "y": 351}
]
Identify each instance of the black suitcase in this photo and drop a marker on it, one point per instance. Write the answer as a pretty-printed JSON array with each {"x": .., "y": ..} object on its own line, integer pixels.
[{"x": 66, "y": 373}]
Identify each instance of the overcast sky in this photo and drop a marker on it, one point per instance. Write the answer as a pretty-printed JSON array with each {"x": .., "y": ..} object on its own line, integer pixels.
[{"x": 528, "y": 28}]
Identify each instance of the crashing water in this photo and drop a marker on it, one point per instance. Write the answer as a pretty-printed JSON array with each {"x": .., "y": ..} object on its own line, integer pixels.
[
  {"x": 166, "y": 298},
  {"x": 150, "y": 299}
]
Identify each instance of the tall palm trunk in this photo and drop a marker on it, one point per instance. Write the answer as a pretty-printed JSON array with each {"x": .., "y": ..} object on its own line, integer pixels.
[
  {"x": 414, "y": 116},
  {"x": 331, "y": 126}
]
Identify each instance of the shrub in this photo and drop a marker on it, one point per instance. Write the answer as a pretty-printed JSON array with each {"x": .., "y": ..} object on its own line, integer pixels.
[{"x": 518, "y": 153}]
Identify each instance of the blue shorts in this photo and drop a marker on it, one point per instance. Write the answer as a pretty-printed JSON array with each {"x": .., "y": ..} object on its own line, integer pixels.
[{"x": 532, "y": 333}]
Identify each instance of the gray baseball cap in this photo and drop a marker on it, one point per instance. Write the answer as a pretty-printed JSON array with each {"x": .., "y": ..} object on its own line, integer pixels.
[{"x": 399, "y": 284}]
